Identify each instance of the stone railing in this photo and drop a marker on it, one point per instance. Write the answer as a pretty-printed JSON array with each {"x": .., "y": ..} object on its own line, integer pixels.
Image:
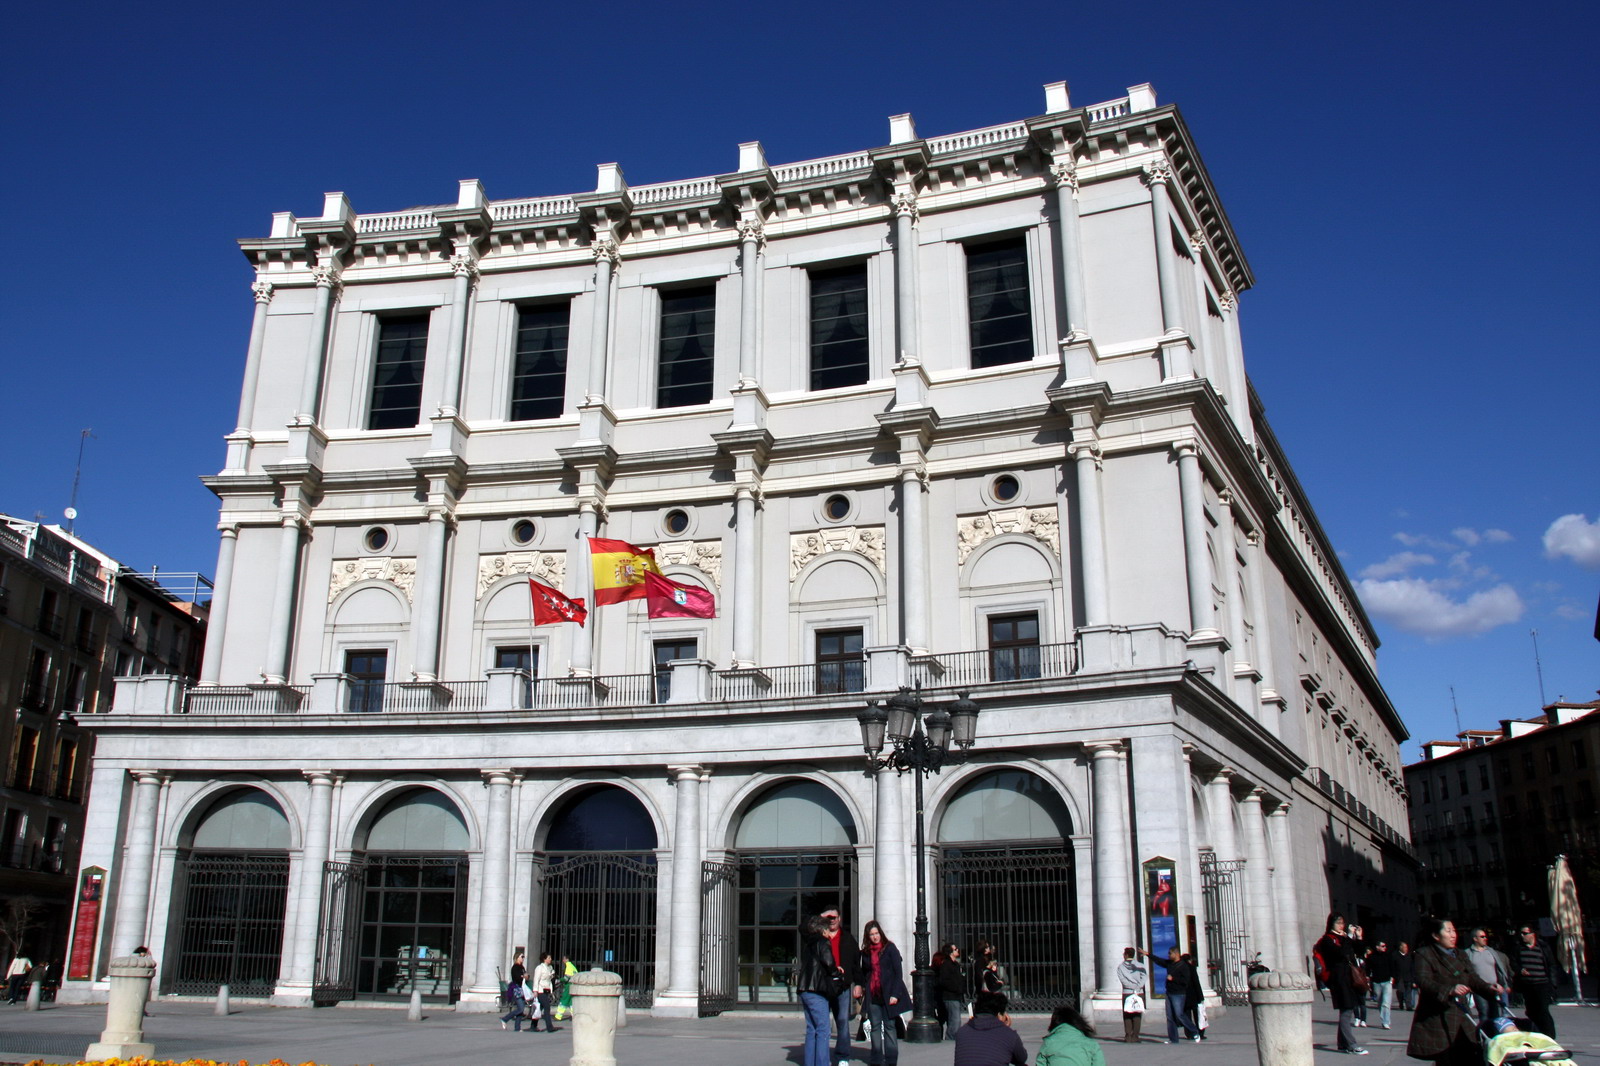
[
  {"x": 536, "y": 207},
  {"x": 960, "y": 142},
  {"x": 396, "y": 221},
  {"x": 675, "y": 190},
  {"x": 812, "y": 169},
  {"x": 1109, "y": 110}
]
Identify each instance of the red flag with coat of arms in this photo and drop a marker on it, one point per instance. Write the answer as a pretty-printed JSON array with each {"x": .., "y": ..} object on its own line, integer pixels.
[{"x": 666, "y": 598}]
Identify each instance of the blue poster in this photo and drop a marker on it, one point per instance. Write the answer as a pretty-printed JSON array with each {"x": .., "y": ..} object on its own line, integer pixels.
[{"x": 1161, "y": 896}]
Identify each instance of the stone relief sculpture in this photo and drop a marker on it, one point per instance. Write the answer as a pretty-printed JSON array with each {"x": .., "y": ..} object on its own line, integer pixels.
[
  {"x": 867, "y": 542},
  {"x": 549, "y": 568},
  {"x": 401, "y": 573},
  {"x": 703, "y": 555},
  {"x": 1041, "y": 523}
]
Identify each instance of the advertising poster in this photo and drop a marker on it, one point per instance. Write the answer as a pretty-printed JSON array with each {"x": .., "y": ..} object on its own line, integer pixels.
[
  {"x": 86, "y": 924},
  {"x": 1161, "y": 906}
]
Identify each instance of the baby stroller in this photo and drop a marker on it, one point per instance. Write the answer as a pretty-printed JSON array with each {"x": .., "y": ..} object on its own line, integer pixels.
[{"x": 1514, "y": 1047}]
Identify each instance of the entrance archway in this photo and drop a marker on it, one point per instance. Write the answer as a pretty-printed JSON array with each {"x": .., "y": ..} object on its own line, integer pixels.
[
  {"x": 793, "y": 854},
  {"x": 1005, "y": 871},
  {"x": 231, "y": 887},
  {"x": 599, "y": 887}
]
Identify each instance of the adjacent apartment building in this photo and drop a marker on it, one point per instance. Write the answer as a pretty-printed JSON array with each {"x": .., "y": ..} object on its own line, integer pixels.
[
  {"x": 71, "y": 619},
  {"x": 962, "y": 414}
]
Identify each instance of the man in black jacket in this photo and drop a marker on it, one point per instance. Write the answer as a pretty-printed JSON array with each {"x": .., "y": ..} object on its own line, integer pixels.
[
  {"x": 1534, "y": 975},
  {"x": 1405, "y": 977},
  {"x": 1181, "y": 983},
  {"x": 1381, "y": 968},
  {"x": 847, "y": 957}
]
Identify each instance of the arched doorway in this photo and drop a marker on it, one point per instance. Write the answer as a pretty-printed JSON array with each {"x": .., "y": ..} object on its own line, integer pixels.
[
  {"x": 1005, "y": 871},
  {"x": 231, "y": 885},
  {"x": 598, "y": 888},
  {"x": 393, "y": 918},
  {"x": 793, "y": 854}
]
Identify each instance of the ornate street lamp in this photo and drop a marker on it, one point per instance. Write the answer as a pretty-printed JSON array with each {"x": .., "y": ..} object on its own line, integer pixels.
[{"x": 920, "y": 745}]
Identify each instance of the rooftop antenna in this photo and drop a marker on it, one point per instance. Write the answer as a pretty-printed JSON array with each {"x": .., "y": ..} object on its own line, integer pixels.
[
  {"x": 77, "y": 475},
  {"x": 1538, "y": 667},
  {"x": 1455, "y": 710}
]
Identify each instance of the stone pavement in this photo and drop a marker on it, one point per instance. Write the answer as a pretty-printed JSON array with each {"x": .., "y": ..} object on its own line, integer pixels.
[{"x": 347, "y": 1036}]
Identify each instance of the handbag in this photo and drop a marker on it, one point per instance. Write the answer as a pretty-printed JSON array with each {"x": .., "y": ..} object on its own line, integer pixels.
[
  {"x": 1360, "y": 983},
  {"x": 1133, "y": 1003}
]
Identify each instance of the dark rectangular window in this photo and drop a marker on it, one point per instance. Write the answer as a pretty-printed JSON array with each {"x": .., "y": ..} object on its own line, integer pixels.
[
  {"x": 665, "y": 652},
  {"x": 397, "y": 373},
  {"x": 999, "y": 319},
  {"x": 688, "y": 325},
  {"x": 839, "y": 327},
  {"x": 1483, "y": 775},
  {"x": 1552, "y": 758},
  {"x": 1461, "y": 779},
  {"x": 517, "y": 657},
  {"x": 1013, "y": 646},
  {"x": 1580, "y": 756},
  {"x": 367, "y": 669},
  {"x": 539, "y": 371},
  {"x": 841, "y": 664}
]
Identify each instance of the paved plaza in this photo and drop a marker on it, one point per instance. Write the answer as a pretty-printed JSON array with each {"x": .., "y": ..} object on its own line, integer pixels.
[{"x": 343, "y": 1036}]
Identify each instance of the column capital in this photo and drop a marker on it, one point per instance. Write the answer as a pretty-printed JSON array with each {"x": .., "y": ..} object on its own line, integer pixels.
[
  {"x": 1224, "y": 774},
  {"x": 1225, "y": 498},
  {"x": 327, "y": 277},
  {"x": 1087, "y": 449},
  {"x": 1065, "y": 175},
  {"x": 1105, "y": 749},
  {"x": 689, "y": 771},
  {"x": 229, "y": 529},
  {"x": 752, "y": 229},
  {"x": 464, "y": 265},
  {"x": 502, "y": 778},
  {"x": 1197, "y": 243},
  {"x": 1156, "y": 173},
  {"x": 1228, "y": 299},
  {"x": 262, "y": 291},
  {"x": 1187, "y": 448},
  {"x": 1255, "y": 795},
  {"x": 605, "y": 250},
  {"x": 322, "y": 777},
  {"x": 150, "y": 777},
  {"x": 905, "y": 204},
  {"x": 1281, "y": 810}
]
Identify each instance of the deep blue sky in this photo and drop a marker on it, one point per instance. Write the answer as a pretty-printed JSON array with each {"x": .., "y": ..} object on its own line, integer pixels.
[{"x": 1413, "y": 185}]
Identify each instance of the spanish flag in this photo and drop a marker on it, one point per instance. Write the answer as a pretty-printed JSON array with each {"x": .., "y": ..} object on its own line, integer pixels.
[{"x": 619, "y": 570}]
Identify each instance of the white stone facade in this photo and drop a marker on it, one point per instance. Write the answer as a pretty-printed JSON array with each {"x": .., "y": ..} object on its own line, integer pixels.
[{"x": 1201, "y": 674}]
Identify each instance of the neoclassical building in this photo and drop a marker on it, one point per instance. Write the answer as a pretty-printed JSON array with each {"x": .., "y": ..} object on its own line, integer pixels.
[{"x": 965, "y": 413}]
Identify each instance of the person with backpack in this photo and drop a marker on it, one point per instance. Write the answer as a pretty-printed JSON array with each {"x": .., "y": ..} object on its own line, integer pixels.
[{"x": 1338, "y": 971}]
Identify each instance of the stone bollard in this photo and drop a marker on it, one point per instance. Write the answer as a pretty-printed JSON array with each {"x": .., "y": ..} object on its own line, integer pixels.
[
  {"x": 594, "y": 1017},
  {"x": 622, "y": 1012},
  {"x": 34, "y": 994},
  {"x": 414, "y": 1011},
  {"x": 222, "y": 1009},
  {"x": 1281, "y": 1006},
  {"x": 123, "y": 1037}
]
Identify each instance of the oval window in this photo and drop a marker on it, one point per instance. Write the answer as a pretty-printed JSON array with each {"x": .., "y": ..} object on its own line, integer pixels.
[
  {"x": 523, "y": 530},
  {"x": 837, "y": 508},
  {"x": 1005, "y": 488},
  {"x": 676, "y": 523},
  {"x": 377, "y": 539}
]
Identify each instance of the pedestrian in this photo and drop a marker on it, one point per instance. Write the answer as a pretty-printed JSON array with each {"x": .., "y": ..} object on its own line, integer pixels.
[
  {"x": 1359, "y": 950},
  {"x": 1194, "y": 1004},
  {"x": 1492, "y": 968},
  {"x": 988, "y": 1039},
  {"x": 820, "y": 980},
  {"x": 1380, "y": 967},
  {"x": 952, "y": 991},
  {"x": 1132, "y": 978},
  {"x": 1535, "y": 979},
  {"x": 882, "y": 975},
  {"x": 544, "y": 984},
  {"x": 990, "y": 978},
  {"x": 567, "y": 970},
  {"x": 17, "y": 976},
  {"x": 516, "y": 995},
  {"x": 1070, "y": 1042},
  {"x": 1405, "y": 976},
  {"x": 846, "y": 955},
  {"x": 1181, "y": 980},
  {"x": 1337, "y": 969},
  {"x": 1441, "y": 1028}
]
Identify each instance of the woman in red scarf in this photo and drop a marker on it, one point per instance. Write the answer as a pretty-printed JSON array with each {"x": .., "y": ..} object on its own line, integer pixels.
[{"x": 883, "y": 991}]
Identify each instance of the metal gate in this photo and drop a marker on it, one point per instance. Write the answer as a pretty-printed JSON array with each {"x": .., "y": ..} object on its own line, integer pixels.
[
  {"x": 1227, "y": 943},
  {"x": 230, "y": 923},
  {"x": 1023, "y": 900},
  {"x": 719, "y": 958},
  {"x": 344, "y": 885},
  {"x": 390, "y": 925},
  {"x": 599, "y": 909}
]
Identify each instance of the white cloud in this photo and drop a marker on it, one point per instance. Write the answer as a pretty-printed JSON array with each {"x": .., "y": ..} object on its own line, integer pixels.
[
  {"x": 1574, "y": 537},
  {"x": 1417, "y": 606},
  {"x": 1466, "y": 536},
  {"x": 1571, "y": 612},
  {"x": 1497, "y": 536},
  {"x": 1459, "y": 560},
  {"x": 1399, "y": 563}
]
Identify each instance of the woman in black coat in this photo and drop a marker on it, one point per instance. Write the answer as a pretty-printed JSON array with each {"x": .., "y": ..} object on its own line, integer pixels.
[
  {"x": 883, "y": 991},
  {"x": 1441, "y": 1029},
  {"x": 1336, "y": 959}
]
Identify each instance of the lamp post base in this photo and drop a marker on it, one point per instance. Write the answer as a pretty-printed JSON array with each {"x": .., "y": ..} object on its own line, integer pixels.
[
  {"x": 924, "y": 1027},
  {"x": 924, "y": 1030}
]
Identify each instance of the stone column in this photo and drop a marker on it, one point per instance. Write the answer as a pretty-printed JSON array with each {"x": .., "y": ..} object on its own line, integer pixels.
[
  {"x": 1177, "y": 356},
  {"x": 1291, "y": 953},
  {"x": 281, "y": 620},
  {"x": 1238, "y": 406},
  {"x": 217, "y": 619},
  {"x": 605, "y": 262},
  {"x": 744, "y": 577},
  {"x": 1195, "y": 903},
  {"x": 681, "y": 999},
  {"x": 138, "y": 865},
  {"x": 1207, "y": 362},
  {"x": 495, "y": 900},
  {"x": 1113, "y": 888},
  {"x": 905, "y": 276},
  {"x": 1261, "y": 654},
  {"x": 1219, "y": 805},
  {"x": 582, "y": 582},
  {"x": 465, "y": 268},
  {"x": 889, "y": 888},
  {"x": 328, "y": 285},
  {"x": 123, "y": 1036},
  {"x": 1070, "y": 254},
  {"x": 1232, "y": 609},
  {"x": 252, "y": 359},
  {"x": 430, "y": 596},
  {"x": 751, "y": 237},
  {"x": 1258, "y": 880},
  {"x": 1091, "y": 533},
  {"x": 1197, "y": 557},
  {"x": 300, "y": 952},
  {"x": 914, "y": 558}
]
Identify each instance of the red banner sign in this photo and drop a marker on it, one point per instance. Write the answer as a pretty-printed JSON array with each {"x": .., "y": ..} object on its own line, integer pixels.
[{"x": 86, "y": 927}]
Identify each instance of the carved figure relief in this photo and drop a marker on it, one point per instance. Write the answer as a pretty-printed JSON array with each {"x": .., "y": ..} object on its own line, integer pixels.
[
  {"x": 866, "y": 542},
  {"x": 1041, "y": 523},
  {"x": 703, "y": 555},
  {"x": 549, "y": 568},
  {"x": 401, "y": 573}
]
